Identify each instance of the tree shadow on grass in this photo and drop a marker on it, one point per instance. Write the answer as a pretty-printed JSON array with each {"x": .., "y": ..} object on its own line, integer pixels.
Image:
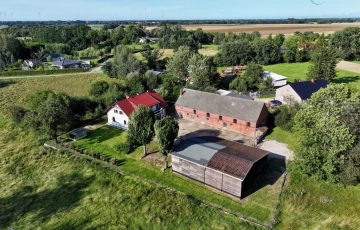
[
  {"x": 5, "y": 83},
  {"x": 41, "y": 206},
  {"x": 346, "y": 79}
]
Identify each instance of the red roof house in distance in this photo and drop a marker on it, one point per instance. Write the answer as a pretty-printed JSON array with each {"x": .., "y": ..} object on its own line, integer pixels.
[{"x": 119, "y": 112}]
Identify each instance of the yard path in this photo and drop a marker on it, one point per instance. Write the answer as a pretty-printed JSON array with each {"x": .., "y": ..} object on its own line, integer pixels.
[
  {"x": 349, "y": 66},
  {"x": 276, "y": 149}
]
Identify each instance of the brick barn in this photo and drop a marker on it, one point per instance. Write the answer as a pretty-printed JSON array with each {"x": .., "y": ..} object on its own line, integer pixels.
[
  {"x": 225, "y": 165},
  {"x": 240, "y": 115}
]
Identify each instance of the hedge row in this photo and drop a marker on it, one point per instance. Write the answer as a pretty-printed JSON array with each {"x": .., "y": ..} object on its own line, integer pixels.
[
  {"x": 90, "y": 153},
  {"x": 41, "y": 72}
]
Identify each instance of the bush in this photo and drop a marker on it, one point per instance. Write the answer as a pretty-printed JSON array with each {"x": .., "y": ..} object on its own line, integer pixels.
[
  {"x": 284, "y": 118},
  {"x": 122, "y": 148}
]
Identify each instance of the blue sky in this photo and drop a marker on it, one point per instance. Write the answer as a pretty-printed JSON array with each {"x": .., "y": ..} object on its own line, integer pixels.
[{"x": 174, "y": 9}]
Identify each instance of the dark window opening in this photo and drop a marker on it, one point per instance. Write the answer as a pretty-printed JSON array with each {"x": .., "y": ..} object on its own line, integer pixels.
[
  {"x": 208, "y": 114},
  {"x": 114, "y": 119},
  {"x": 220, "y": 118},
  {"x": 235, "y": 121},
  {"x": 124, "y": 122},
  {"x": 248, "y": 124},
  {"x": 121, "y": 112},
  {"x": 194, "y": 111}
]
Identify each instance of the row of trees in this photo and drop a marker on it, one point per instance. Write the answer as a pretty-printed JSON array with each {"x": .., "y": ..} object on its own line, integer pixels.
[{"x": 143, "y": 127}]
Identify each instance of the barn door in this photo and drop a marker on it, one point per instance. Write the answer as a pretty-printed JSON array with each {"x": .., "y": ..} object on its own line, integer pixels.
[
  {"x": 203, "y": 119},
  {"x": 192, "y": 116},
  {"x": 224, "y": 124}
]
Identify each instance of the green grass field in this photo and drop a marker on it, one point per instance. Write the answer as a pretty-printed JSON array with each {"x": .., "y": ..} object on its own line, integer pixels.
[
  {"x": 258, "y": 206},
  {"x": 52, "y": 191},
  {"x": 97, "y": 26}
]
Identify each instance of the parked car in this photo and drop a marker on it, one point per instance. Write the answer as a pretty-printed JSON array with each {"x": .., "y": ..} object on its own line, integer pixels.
[{"x": 275, "y": 102}]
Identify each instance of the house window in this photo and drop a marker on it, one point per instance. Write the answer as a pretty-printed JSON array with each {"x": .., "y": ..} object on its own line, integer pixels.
[
  {"x": 121, "y": 113},
  {"x": 208, "y": 114},
  {"x": 115, "y": 111},
  {"x": 124, "y": 122},
  {"x": 194, "y": 111},
  {"x": 220, "y": 118},
  {"x": 234, "y": 121},
  {"x": 114, "y": 119},
  {"x": 248, "y": 124}
]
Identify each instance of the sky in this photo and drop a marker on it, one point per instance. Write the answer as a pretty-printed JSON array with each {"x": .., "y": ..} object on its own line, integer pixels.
[{"x": 45, "y": 10}]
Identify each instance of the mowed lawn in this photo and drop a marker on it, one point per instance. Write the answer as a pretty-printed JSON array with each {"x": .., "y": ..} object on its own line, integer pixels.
[{"x": 259, "y": 205}]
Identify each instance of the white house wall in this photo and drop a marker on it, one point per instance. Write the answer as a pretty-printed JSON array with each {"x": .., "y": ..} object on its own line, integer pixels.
[
  {"x": 121, "y": 120},
  {"x": 287, "y": 91}
]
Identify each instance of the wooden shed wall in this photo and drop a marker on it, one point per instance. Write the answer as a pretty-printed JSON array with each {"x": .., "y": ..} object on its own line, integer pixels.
[
  {"x": 231, "y": 185},
  {"x": 188, "y": 169},
  {"x": 253, "y": 174},
  {"x": 213, "y": 178}
]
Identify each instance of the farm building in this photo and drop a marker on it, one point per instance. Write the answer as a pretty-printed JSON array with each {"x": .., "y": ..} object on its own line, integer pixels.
[
  {"x": 299, "y": 91},
  {"x": 119, "y": 112},
  {"x": 63, "y": 63},
  {"x": 29, "y": 64},
  {"x": 240, "y": 115},
  {"x": 227, "y": 166},
  {"x": 277, "y": 80},
  {"x": 231, "y": 94}
]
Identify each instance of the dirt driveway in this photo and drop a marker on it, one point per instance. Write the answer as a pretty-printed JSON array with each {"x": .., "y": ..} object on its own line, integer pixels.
[{"x": 188, "y": 129}]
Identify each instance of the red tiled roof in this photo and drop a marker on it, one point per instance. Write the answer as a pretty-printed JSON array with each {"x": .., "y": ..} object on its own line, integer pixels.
[{"x": 148, "y": 99}]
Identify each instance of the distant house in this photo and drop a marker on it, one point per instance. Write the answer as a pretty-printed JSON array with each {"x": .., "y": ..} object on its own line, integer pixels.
[
  {"x": 277, "y": 80},
  {"x": 64, "y": 63},
  {"x": 299, "y": 91},
  {"x": 119, "y": 112},
  {"x": 244, "y": 116},
  {"x": 54, "y": 56},
  {"x": 29, "y": 64},
  {"x": 225, "y": 165},
  {"x": 231, "y": 94},
  {"x": 144, "y": 40}
]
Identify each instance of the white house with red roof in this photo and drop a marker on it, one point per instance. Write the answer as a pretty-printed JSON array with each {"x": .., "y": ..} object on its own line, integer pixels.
[{"x": 119, "y": 112}]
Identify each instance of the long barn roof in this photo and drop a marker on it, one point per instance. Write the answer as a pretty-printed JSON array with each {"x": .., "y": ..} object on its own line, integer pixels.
[{"x": 238, "y": 108}]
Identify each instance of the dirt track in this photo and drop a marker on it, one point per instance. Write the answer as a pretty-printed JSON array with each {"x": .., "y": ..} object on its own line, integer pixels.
[{"x": 349, "y": 66}]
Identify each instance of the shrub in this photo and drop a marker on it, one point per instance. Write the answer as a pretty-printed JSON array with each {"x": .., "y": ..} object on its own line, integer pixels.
[
  {"x": 103, "y": 157},
  {"x": 122, "y": 148},
  {"x": 95, "y": 155}
]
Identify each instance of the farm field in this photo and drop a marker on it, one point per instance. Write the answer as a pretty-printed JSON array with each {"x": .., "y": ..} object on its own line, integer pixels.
[
  {"x": 13, "y": 92},
  {"x": 266, "y": 29},
  {"x": 96, "y": 26}
]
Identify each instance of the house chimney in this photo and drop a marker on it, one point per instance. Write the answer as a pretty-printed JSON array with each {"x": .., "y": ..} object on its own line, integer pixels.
[
  {"x": 181, "y": 92},
  {"x": 312, "y": 80}
]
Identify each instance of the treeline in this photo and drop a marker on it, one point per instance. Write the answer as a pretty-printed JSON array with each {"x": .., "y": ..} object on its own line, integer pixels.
[{"x": 189, "y": 22}]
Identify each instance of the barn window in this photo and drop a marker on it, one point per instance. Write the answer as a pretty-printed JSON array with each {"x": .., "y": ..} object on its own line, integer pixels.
[
  {"x": 220, "y": 118},
  {"x": 121, "y": 113},
  {"x": 124, "y": 122},
  {"x": 234, "y": 121},
  {"x": 208, "y": 114},
  {"x": 248, "y": 124},
  {"x": 194, "y": 111}
]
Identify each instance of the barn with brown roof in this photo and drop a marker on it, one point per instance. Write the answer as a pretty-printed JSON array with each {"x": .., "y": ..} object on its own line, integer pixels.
[{"x": 225, "y": 165}]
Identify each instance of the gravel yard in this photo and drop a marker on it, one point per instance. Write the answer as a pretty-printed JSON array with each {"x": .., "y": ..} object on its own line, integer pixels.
[
  {"x": 349, "y": 66},
  {"x": 277, "y": 149}
]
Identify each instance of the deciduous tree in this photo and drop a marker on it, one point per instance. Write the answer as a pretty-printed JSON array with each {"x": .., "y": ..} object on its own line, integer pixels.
[
  {"x": 141, "y": 127},
  {"x": 166, "y": 131},
  {"x": 323, "y": 64}
]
